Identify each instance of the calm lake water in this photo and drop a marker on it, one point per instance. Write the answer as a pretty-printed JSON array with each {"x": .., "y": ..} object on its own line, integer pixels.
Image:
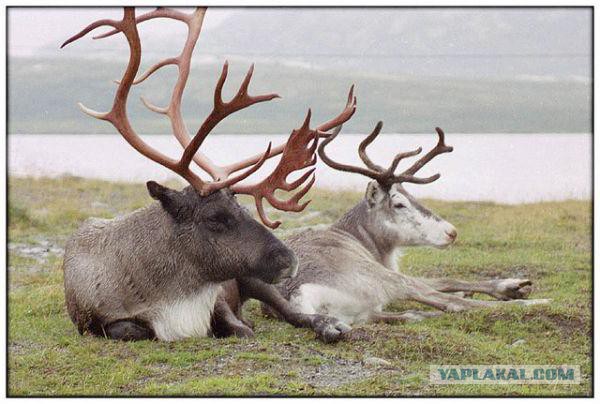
[{"x": 510, "y": 168}]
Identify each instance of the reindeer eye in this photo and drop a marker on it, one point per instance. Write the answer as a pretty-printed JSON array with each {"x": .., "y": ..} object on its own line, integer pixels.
[
  {"x": 219, "y": 222},
  {"x": 220, "y": 218},
  {"x": 399, "y": 206}
]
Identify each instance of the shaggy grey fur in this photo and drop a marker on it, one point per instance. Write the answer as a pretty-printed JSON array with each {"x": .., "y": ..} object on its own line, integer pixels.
[{"x": 178, "y": 249}]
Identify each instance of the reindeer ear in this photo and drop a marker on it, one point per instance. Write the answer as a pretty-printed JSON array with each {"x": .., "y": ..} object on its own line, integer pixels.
[
  {"x": 375, "y": 194},
  {"x": 168, "y": 197}
]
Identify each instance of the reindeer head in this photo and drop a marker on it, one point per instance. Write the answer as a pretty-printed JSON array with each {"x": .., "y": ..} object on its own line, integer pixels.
[
  {"x": 205, "y": 219},
  {"x": 395, "y": 218}
]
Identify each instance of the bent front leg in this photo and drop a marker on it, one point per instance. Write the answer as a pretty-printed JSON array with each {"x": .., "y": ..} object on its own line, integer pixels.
[
  {"x": 328, "y": 329},
  {"x": 224, "y": 322},
  {"x": 501, "y": 289}
]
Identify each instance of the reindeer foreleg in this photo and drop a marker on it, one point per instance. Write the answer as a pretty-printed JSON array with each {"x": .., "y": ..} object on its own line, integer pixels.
[{"x": 328, "y": 329}]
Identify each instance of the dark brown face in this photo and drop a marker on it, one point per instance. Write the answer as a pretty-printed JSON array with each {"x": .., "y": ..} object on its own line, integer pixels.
[{"x": 221, "y": 236}]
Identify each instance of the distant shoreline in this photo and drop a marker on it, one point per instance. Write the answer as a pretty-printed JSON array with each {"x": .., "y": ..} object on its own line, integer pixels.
[{"x": 511, "y": 168}]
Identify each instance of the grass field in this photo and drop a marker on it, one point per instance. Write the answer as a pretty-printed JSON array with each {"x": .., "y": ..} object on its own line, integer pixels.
[{"x": 549, "y": 243}]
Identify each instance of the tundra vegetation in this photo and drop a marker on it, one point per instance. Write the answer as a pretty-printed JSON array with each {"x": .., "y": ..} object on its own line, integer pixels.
[{"x": 549, "y": 243}]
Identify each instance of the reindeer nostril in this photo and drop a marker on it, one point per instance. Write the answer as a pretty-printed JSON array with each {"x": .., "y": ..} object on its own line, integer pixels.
[{"x": 452, "y": 234}]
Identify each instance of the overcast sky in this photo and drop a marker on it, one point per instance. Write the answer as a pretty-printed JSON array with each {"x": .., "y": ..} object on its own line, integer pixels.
[
  {"x": 546, "y": 42},
  {"x": 30, "y": 28}
]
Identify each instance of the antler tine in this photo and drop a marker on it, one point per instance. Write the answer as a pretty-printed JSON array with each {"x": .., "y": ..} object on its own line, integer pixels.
[
  {"x": 344, "y": 116},
  {"x": 95, "y": 114},
  {"x": 118, "y": 115},
  {"x": 299, "y": 153},
  {"x": 221, "y": 110},
  {"x": 152, "y": 69},
  {"x": 415, "y": 180},
  {"x": 400, "y": 156},
  {"x": 344, "y": 167},
  {"x": 386, "y": 177},
  {"x": 292, "y": 204},
  {"x": 89, "y": 28},
  {"x": 159, "y": 12},
  {"x": 362, "y": 148},
  {"x": 194, "y": 22},
  {"x": 439, "y": 148}
]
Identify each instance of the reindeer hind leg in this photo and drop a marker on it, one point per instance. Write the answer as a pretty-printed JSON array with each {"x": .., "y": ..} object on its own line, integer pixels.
[
  {"x": 423, "y": 293},
  {"x": 501, "y": 289}
]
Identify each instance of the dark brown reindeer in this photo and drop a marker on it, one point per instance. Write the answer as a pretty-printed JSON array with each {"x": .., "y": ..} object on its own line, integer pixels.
[{"x": 156, "y": 272}]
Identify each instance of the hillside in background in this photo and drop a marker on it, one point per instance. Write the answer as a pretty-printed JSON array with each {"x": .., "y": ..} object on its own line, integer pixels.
[
  {"x": 468, "y": 70},
  {"x": 43, "y": 95}
]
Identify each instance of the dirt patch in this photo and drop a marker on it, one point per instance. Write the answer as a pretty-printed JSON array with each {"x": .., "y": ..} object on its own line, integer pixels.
[
  {"x": 382, "y": 332},
  {"x": 337, "y": 372},
  {"x": 566, "y": 325},
  {"x": 517, "y": 271},
  {"x": 20, "y": 348},
  {"x": 41, "y": 250},
  {"x": 563, "y": 323},
  {"x": 360, "y": 334}
]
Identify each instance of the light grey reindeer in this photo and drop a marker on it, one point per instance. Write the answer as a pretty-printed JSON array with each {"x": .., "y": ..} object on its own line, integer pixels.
[
  {"x": 157, "y": 272},
  {"x": 350, "y": 269}
]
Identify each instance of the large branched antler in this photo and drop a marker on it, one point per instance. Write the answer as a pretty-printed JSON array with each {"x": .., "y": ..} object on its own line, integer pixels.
[
  {"x": 220, "y": 110},
  {"x": 298, "y": 146},
  {"x": 297, "y": 153},
  {"x": 386, "y": 177},
  {"x": 118, "y": 113},
  {"x": 173, "y": 110},
  {"x": 182, "y": 61}
]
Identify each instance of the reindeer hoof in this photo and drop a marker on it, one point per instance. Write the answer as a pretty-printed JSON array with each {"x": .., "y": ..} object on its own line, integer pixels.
[
  {"x": 242, "y": 332},
  {"x": 248, "y": 323},
  {"x": 329, "y": 329},
  {"x": 511, "y": 289}
]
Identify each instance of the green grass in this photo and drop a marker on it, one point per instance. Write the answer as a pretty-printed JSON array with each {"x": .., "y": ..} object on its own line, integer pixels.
[{"x": 550, "y": 243}]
